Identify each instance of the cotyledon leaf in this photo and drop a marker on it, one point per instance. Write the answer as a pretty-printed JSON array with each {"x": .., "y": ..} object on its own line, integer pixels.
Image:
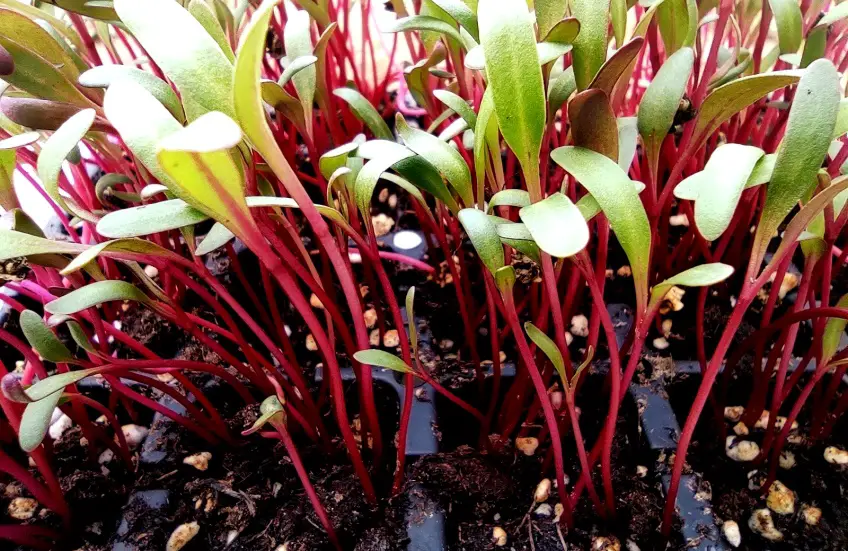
[
  {"x": 441, "y": 155},
  {"x": 549, "y": 347},
  {"x": 593, "y": 123},
  {"x": 483, "y": 235},
  {"x": 615, "y": 193},
  {"x": 147, "y": 219},
  {"x": 42, "y": 339},
  {"x": 463, "y": 14},
  {"x": 729, "y": 99},
  {"x": 298, "y": 42},
  {"x": 56, "y": 149},
  {"x": 833, "y": 331},
  {"x": 556, "y": 225},
  {"x": 382, "y": 359},
  {"x": 96, "y": 293},
  {"x": 509, "y": 197},
  {"x": 204, "y": 15},
  {"x": 187, "y": 54},
  {"x": 365, "y": 112},
  {"x": 678, "y": 22},
  {"x": 787, "y": 14},
  {"x": 217, "y": 237},
  {"x": 127, "y": 245},
  {"x": 699, "y": 276},
  {"x": 366, "y": 180},
  {"x": 590, "y": 46},
  {"x": 458, "y": 105},
  {"x": 548, "y": 13},
  {"x": 809, "y": 128},
  {"x": 515, "y": 78},
  {"x": 425, "y": 23},
  {"x": 717, "y": 189},
  {"x": 8, "y": 160},
  {"x": 35, "y": 422},
  {"x": 104, "y": 75},
  {"x": 14, "y": 244}
]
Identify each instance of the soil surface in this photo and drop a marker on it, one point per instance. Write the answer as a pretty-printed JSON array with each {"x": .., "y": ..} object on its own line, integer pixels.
[{"x": 734, "y": 490}]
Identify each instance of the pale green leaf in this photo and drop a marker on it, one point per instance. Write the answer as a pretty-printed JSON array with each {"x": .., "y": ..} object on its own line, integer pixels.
[
  {"x": 62, "y": 143},
  {"x": 628, "y": 133},
  {"x": 509, "y": 197},
  {"x": 142, "y": 121},
  {"x": 678, "y": 22},
  {"x": 717, "y": 189},
  {"x": 699, "y": 276},
  {"x": 425, "y": 23},
  {"x": 54, "y": 384},
  {"x": 204, "y": 15},
  {"x": 189, "y": 57},
  {"x": 147, "y": 219},
  {"x": 556, "y": 225},
  {"x": 127, "y": 246},
  {"x": 14, "y": 244},
  {"x": 104, "y": 75},
  {"x": 389, "y": 154},
  {"x": 463, "y": 15},
  {"x": 217, "y": 237},
  {"x": 458, "y": 105},
  {"x": 298, "y": 42},
  {"x": 833, "y": 331},
  {"x": 836, "y": 12},
  {"x": 296, "y": 66}
]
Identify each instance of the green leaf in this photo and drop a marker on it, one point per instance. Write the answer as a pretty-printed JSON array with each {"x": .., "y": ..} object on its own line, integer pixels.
[
  {"x": 365, "y": 112},
  {"x": 590, "y": 47},
  {"x": 505, "y": 279},
  {"x": 390, "y": 153},
  {"x": 104, "y": 75},
  {"x": 484, "y": 236},
  {"x": 618, "y": 15},
  {"x": 298, "y": 42},
  {"x": 762, "y": 171},
  {"x": 678, "y": 23},
  {"x": 410, "y": 320},
  {"x": 204, "y": 15},
  {"x": 131, "y": 246},
  {"x": 841, "y": 120},
  {"x": 204, "y": 172},
  {"x": 812, "y": 118},
  {"x": 548, "y": 14},
  {"x": 147, "y": 219},
  {"x": 556, "y": 225},
  {"x": 787, "y": 14},
  {"x": 35, "y": 422},
  {"x": 618, "y": 198},
  {"x": 43, "y": 68},
  {"x": 288, "y": 202},
  {"x": 190, "y": 58},
  {"x": 515, "y": 78},
  {"x": 616, "y": 66},
  {"x": 296, "y": 66},
  {"x": 550, "y": 349},
  {"x": 486, "y": 143},
  {"x": 590, "y": 208},
  {"x": 509, "y": 197},
  {"x": 460, "y": 11},
  {"x": 217, "y": 237},
  {"x": 833, "y": 330},
  {"x": 271, "y": 411},
  {"x": 42, "y": 339},
  {"x": 517, "y": 236},
  {"x": 336, "y": 158},
  {"x": 94, "y": 294},
  {"x": 441, "y": 155},
  {"x": 424, "y": 175},
  {"x": 458, "y": 105},
  {"x": 731, "y": 98},
  {"x": 560, "y": 89},
  {"x": 382, "y": 359},
  {"x": 80, "y": 337},
  {"x": 551, "y": 51},
  {"x": 54, "y": 384},
  {"x": 593, "y": 124},
  {"x": 425, "y": 23},
  {"x": 699, "y": 276},
  {"x": 14, "y": 244},
  {"x": 142, "y": 121},
  {"x": 57, "y": 148},
  {"x": 717, "y": 189},
  {"x": 662, "y": 99}
]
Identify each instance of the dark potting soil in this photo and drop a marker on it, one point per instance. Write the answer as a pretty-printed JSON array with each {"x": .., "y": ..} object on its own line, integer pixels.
[
  {"x": 814, "y": 481},
  {"x": 483, "y": 490},
  {"x": 249, "y": 494}
]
